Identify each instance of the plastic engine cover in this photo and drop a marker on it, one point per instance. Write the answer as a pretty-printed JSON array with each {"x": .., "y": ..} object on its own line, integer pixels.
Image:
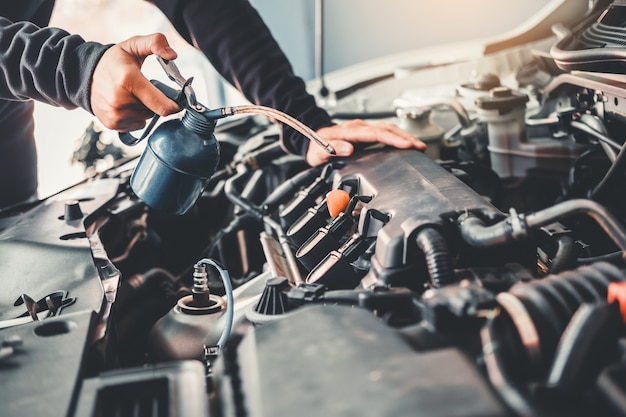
[{"x": 337, "y": 360}]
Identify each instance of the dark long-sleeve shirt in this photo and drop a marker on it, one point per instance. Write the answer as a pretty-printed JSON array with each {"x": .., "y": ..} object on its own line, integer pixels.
[
  {"x": 242, "y": 49},
  {"x": 52, "y": 66},
  {"x": 47, "y": 65}
]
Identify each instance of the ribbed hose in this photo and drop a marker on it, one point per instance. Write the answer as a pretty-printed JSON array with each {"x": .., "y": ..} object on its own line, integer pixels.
[
  {"x": 542, "y": 309},
  {"x": 495, "y": 362},
  {"x": 437, "y": 256}
]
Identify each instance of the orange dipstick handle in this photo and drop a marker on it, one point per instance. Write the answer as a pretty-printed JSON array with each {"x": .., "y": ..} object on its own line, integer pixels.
[{"x": 337, "y": 201}]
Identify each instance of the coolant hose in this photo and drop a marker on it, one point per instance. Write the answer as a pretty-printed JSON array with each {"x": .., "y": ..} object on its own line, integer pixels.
[
  {"x": 494, "y": 359},
  {"x": 250, "y": 190},
  {"x": 612, "y": 177},
  {"x": 599, "y": 213},
  {"x": 475, "y": 232},
  {"x": 438, "y": 262},
  {"x": 565, "y": 256},
  {"x": 252, "y": 211},
  {"x": 235, "y": 197}
]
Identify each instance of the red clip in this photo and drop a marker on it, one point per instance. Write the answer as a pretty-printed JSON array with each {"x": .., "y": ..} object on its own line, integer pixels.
[{"x": 617, "y": 292}]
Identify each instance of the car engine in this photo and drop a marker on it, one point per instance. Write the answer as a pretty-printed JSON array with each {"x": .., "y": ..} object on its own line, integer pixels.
[{"x": 483, "y": 277}]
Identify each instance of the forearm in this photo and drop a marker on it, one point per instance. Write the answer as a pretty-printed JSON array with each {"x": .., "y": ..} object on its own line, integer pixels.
[
  {"x": 241, "y": 48},
  {"x": 46, "y": 64}
]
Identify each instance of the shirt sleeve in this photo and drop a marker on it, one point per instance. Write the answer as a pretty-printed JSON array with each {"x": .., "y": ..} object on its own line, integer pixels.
[
  {"x": 46, "y": 64},
  {"x": 234, "y": 38}
]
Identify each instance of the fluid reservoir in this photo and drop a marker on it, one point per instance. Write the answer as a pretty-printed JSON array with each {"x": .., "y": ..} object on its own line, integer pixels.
[
  {"x": 504, "y": 112},
  {"x": 197, "y": 320}
]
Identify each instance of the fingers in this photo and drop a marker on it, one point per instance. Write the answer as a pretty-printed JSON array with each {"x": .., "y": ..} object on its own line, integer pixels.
[
  {"x": 393, "y": 135},
  {"x": 140, "y": 47},
  {"x": 130, "y": 125},
  {"x": 344, "y": 135},
  {"x": 316, "y": 155},
  {"x": 132, "y": 118},
  {"x": 143, "y": 46},
  {"x": 125, "y": 120},
  {"x": 359, "y": 131},
  {"x": 152, "y": 97},
  {"x": 121, "y": 96}
]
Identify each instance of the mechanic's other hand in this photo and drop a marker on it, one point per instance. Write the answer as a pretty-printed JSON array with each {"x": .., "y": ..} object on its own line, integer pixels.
[
  {"x": 342, "y": 137},
  {"x": 122, "y": 98}
]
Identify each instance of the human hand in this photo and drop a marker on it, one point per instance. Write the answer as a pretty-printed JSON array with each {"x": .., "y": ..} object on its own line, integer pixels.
[
  {"x": 122, "y": 98},
  {"x": 342, "y": 137}
]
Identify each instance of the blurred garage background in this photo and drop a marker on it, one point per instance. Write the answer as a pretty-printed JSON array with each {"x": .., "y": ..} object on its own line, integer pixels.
[{"x": 354, "y": 31}]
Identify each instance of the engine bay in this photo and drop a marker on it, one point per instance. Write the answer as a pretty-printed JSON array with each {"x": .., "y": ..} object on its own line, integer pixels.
[{"x": 483, "y": 277}]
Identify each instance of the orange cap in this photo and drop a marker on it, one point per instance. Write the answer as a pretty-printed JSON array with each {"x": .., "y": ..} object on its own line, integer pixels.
[
  {"x": 337, "y": 201},
  {"x": 617, "y": 292}
]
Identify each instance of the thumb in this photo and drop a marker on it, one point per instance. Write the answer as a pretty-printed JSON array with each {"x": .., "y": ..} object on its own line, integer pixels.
[
  {"x": 342, "y": 147},
  {"x": 317, "y": 155},
  {"x": 141, "y": 47}
]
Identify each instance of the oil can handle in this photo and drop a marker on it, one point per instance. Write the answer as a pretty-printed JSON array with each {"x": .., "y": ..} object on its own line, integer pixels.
[{"x": 128, "y": 138}]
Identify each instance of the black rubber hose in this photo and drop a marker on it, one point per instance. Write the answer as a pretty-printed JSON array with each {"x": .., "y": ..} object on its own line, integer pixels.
[
  {"x": 587, "y": 345},
  {"x": 262, "y": 157},
  {"x": 235, "y": 197},
  {"x": 613, "y": 257},
  {"x": 551, "y": 302},
  {"x": 288, "y": 188},
  {"x": 135, "y": 289},
  {"x": 612, "y": 178},
  {"x": 437, "y": 256},
  {"x": 251, "y": 189},
  {"x": 364, "y": 115},
  {"x": 603, "y": 217},
  {"x": 514, "y": 395},
  {"x": 566, "y": 255},
  {"x": 475, "y": 232}
]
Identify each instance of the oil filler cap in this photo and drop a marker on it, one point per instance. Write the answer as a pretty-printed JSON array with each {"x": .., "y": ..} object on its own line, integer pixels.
[
  {"x": 501, "y": 98},
  {"x": 337, "y": 201}
]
